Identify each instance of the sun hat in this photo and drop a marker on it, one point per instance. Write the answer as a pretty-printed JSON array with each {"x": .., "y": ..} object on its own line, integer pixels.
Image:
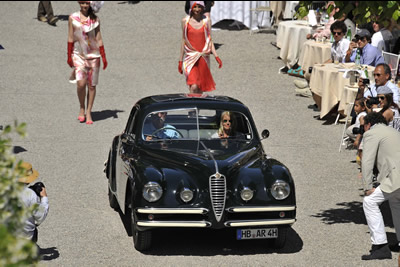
[
  {"x": 383, "y": 90},
  {"x": 28, "y": 173},
  {"x": 193, "y": 3}
]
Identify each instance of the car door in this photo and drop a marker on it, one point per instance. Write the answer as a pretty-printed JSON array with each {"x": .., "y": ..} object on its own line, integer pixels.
[{"x": 125, "y": 153}]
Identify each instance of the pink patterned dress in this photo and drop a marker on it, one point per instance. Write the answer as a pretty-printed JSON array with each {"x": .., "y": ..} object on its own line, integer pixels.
[{"x": 86, "y": 55}]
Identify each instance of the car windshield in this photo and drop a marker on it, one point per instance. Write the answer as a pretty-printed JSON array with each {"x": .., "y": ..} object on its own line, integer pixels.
[{"x": 196, "y": 124}]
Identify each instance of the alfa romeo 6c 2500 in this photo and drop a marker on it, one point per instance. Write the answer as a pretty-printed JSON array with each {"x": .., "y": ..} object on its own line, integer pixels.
[{"x": 178, "y": 164}]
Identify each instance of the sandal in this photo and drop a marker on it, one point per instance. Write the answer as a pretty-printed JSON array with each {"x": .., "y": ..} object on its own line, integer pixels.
[
  {"x": 298, "y": 73},
  {"x": 292, "y": 71}
]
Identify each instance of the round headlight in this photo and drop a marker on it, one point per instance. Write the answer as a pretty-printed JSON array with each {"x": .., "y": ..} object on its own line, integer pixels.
[
  {"x": 280, "y": 190},
  {"x": 246, "y": 194},
  {"x": 186, "y": 195},
  {"x": 152, "y": 191}
]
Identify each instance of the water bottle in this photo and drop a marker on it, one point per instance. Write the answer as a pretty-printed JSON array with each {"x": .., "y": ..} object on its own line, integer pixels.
[
  {"x": 348, "y": 35},
  {"x": 332, "y": 40},
  {"x": 366, "y": 72},
  {"x": 357, "y": 60}
]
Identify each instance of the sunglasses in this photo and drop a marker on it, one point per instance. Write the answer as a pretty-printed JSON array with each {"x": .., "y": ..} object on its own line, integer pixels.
[
  {"x": 225, "y": 121},
  {"x": 377, "y": 74},
  {"x": 337, "y": 33},
  {"x": 381, "y": 97}
]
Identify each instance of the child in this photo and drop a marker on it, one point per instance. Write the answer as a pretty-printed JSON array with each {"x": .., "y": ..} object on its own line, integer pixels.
[{"x": 360, "y": 110}]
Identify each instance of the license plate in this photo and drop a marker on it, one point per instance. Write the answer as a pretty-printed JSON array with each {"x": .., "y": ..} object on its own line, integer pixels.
[{"x": 262, "y": 233}]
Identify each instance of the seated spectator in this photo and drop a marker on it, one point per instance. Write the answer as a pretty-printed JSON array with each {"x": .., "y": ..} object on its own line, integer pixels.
[
  {"x": 360, "y": 110},
  {"x": 340, "y": 44},
  {"x": 382, "y": 37},
  {"x": 227, "y": 126},
  {"x": 389, "y": 109},
  {"x": 382, "y": 75},
  {"x": 369, "y": 55}
]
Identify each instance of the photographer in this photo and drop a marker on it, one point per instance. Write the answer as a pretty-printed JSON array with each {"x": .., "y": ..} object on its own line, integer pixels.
[
  {"x": 382, "y": 76},
  {"x": 35, "y": 194},
  {"x": 382, "y": 150}
]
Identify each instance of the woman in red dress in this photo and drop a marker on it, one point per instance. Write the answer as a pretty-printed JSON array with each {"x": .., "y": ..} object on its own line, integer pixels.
[{"x": 196, "y": 48}]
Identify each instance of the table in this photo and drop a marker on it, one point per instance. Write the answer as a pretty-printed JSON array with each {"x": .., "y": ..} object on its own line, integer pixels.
[
  {"x": 240, "y": 11},
  {"x": 327, "y": 82},
  {"x": 290, "y": 38},
  {"x": 314, "y": 53}
]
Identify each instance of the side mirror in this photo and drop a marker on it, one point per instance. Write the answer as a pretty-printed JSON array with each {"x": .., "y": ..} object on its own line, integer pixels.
[
  {"x": 265, "y": 134},
  {"x": 127, "y": 139}
]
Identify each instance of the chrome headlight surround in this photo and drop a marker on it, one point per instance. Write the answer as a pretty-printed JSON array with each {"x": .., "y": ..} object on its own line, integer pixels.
[
  {"x": 152, "y": 191},
  {"x": 186, "y": 195},
  {"x": 246, "y": 194},
  {"x": 280, "y": 190}
]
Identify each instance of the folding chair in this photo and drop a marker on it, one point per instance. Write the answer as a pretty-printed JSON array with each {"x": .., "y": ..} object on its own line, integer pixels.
[
  {"x": 393, "y": 61},
  {"x": 396, "y": 123}
]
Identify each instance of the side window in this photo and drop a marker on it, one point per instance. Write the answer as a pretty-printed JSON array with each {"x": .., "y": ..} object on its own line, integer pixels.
[{"x": 131, "y": 121}]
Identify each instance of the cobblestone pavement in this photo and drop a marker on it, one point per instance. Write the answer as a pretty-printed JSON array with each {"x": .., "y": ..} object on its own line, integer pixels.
[{"x": 142, "y": 44}]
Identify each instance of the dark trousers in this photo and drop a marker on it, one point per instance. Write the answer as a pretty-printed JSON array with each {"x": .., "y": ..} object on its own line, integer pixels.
[
  {"x": 394, "y": 203},
  {"x": 35, "y": 235},
  {"x": 45, "y": 10}
]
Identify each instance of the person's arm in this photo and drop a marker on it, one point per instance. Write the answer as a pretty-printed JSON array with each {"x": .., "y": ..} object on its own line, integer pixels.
[
  {"x": 370, "y": 149},
  {"x": 213, "y": 51},
  {"x": 181, "y": 54},
  {"x": 350, "y": 55},
  {"x": 70, "y": 43},
  {"x": 388, "y": 114},
  {"x": 99, "y": 40},
  {"x": 41, "y": 212}
]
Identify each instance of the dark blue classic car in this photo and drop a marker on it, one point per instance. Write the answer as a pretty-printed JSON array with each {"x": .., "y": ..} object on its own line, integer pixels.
[{"x": 175, "y": 166}]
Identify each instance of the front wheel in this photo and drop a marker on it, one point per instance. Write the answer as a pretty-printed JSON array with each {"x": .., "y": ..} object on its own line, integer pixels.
[
  {"x": 141, "y": 239},
  {"x": 280, "y": 241}
]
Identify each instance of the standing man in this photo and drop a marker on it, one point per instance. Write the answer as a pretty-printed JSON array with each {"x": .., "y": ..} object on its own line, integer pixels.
[
  {"x": 381, "y": 149},
  {"x": 369, "y": 55},
  {"x": 45, "y": 13},
  {"x": 30, "y": 198}
]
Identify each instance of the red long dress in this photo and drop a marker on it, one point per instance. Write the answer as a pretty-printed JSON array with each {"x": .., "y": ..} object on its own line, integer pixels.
[{"x": 200, "y": 73}]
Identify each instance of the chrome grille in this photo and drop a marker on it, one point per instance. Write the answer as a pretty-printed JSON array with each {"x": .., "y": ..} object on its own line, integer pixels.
[{"x": 218, "y": 194}]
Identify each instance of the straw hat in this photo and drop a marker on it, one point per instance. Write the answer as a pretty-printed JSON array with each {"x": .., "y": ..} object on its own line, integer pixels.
[{"x": 28, "y": 173}]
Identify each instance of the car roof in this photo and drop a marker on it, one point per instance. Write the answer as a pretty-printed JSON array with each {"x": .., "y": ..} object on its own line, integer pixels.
[{"x": 188, "y": 100}]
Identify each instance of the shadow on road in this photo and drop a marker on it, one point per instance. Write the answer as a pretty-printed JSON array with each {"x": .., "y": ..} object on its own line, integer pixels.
[
  {"x": 48, "y": 254},
  {"x": 352, "y": 212},
  {"x": 209, "y": 242},
  {"x": 105, "y": 114},
  {"x": 18, "y": 149}
]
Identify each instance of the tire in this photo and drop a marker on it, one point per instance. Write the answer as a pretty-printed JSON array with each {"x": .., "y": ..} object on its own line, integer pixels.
[
  {"x": 141, "y": 239},
  {"x": 113, "y": 200},
  {"x": 281, "y": 240}
]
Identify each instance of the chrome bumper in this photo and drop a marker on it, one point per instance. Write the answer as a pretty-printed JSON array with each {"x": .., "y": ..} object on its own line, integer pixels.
[{"x": 204, "y": 224}]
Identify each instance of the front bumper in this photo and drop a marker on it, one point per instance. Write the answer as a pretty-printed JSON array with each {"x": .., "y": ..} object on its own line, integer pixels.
[{"x": 200, "y": 217}]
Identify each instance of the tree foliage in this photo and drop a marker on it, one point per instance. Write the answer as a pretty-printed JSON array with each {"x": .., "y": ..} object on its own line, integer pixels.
[
  {"x": 14, "y": 250},
  {"x": 363, "y": 11}
]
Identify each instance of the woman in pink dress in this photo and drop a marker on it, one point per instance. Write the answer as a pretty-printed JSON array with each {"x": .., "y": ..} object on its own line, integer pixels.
[
  {"x": 85, "y": 46},
  {"x": 196, "y": 48}
]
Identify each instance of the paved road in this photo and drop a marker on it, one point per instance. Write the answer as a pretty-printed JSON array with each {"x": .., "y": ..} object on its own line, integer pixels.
[{"x": 142, "y": 45}]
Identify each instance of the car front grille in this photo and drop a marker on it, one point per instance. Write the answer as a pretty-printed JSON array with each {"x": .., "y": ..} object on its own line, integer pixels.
[{"x": 218, "y": 194}]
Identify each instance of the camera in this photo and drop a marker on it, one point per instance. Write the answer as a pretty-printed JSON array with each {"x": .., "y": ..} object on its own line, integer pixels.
[
  {"x": 372, "y": 101},
  {"x": 365, "y": 81},
  {"x": 358, "y": 130},
  {"x": 37, "y": 188}
]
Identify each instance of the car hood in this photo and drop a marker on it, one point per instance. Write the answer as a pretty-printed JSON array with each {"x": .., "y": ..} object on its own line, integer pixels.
[{"x": 208, "y": 156}]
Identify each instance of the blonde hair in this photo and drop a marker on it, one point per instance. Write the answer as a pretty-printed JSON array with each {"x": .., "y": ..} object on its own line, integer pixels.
[{"x": 221, "y": 123}]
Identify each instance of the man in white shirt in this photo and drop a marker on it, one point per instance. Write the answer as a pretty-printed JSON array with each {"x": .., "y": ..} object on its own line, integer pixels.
[
  {"x": 30, "y": 198},
  {"x": 341, "y": 44}
]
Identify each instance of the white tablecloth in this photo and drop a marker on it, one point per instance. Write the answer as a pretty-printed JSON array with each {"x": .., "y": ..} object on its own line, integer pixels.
[
  {"x": 290, "y": 38},
  {"x": 240, "y": 11}
]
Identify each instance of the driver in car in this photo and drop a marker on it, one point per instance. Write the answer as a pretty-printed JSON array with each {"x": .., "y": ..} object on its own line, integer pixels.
[{"x": 158, "y": 129}]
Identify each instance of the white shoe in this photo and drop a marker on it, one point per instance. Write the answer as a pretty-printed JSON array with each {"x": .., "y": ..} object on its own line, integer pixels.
[
  {"x": 306, "y": 92},
  {"x": 301, "y": 84}
]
